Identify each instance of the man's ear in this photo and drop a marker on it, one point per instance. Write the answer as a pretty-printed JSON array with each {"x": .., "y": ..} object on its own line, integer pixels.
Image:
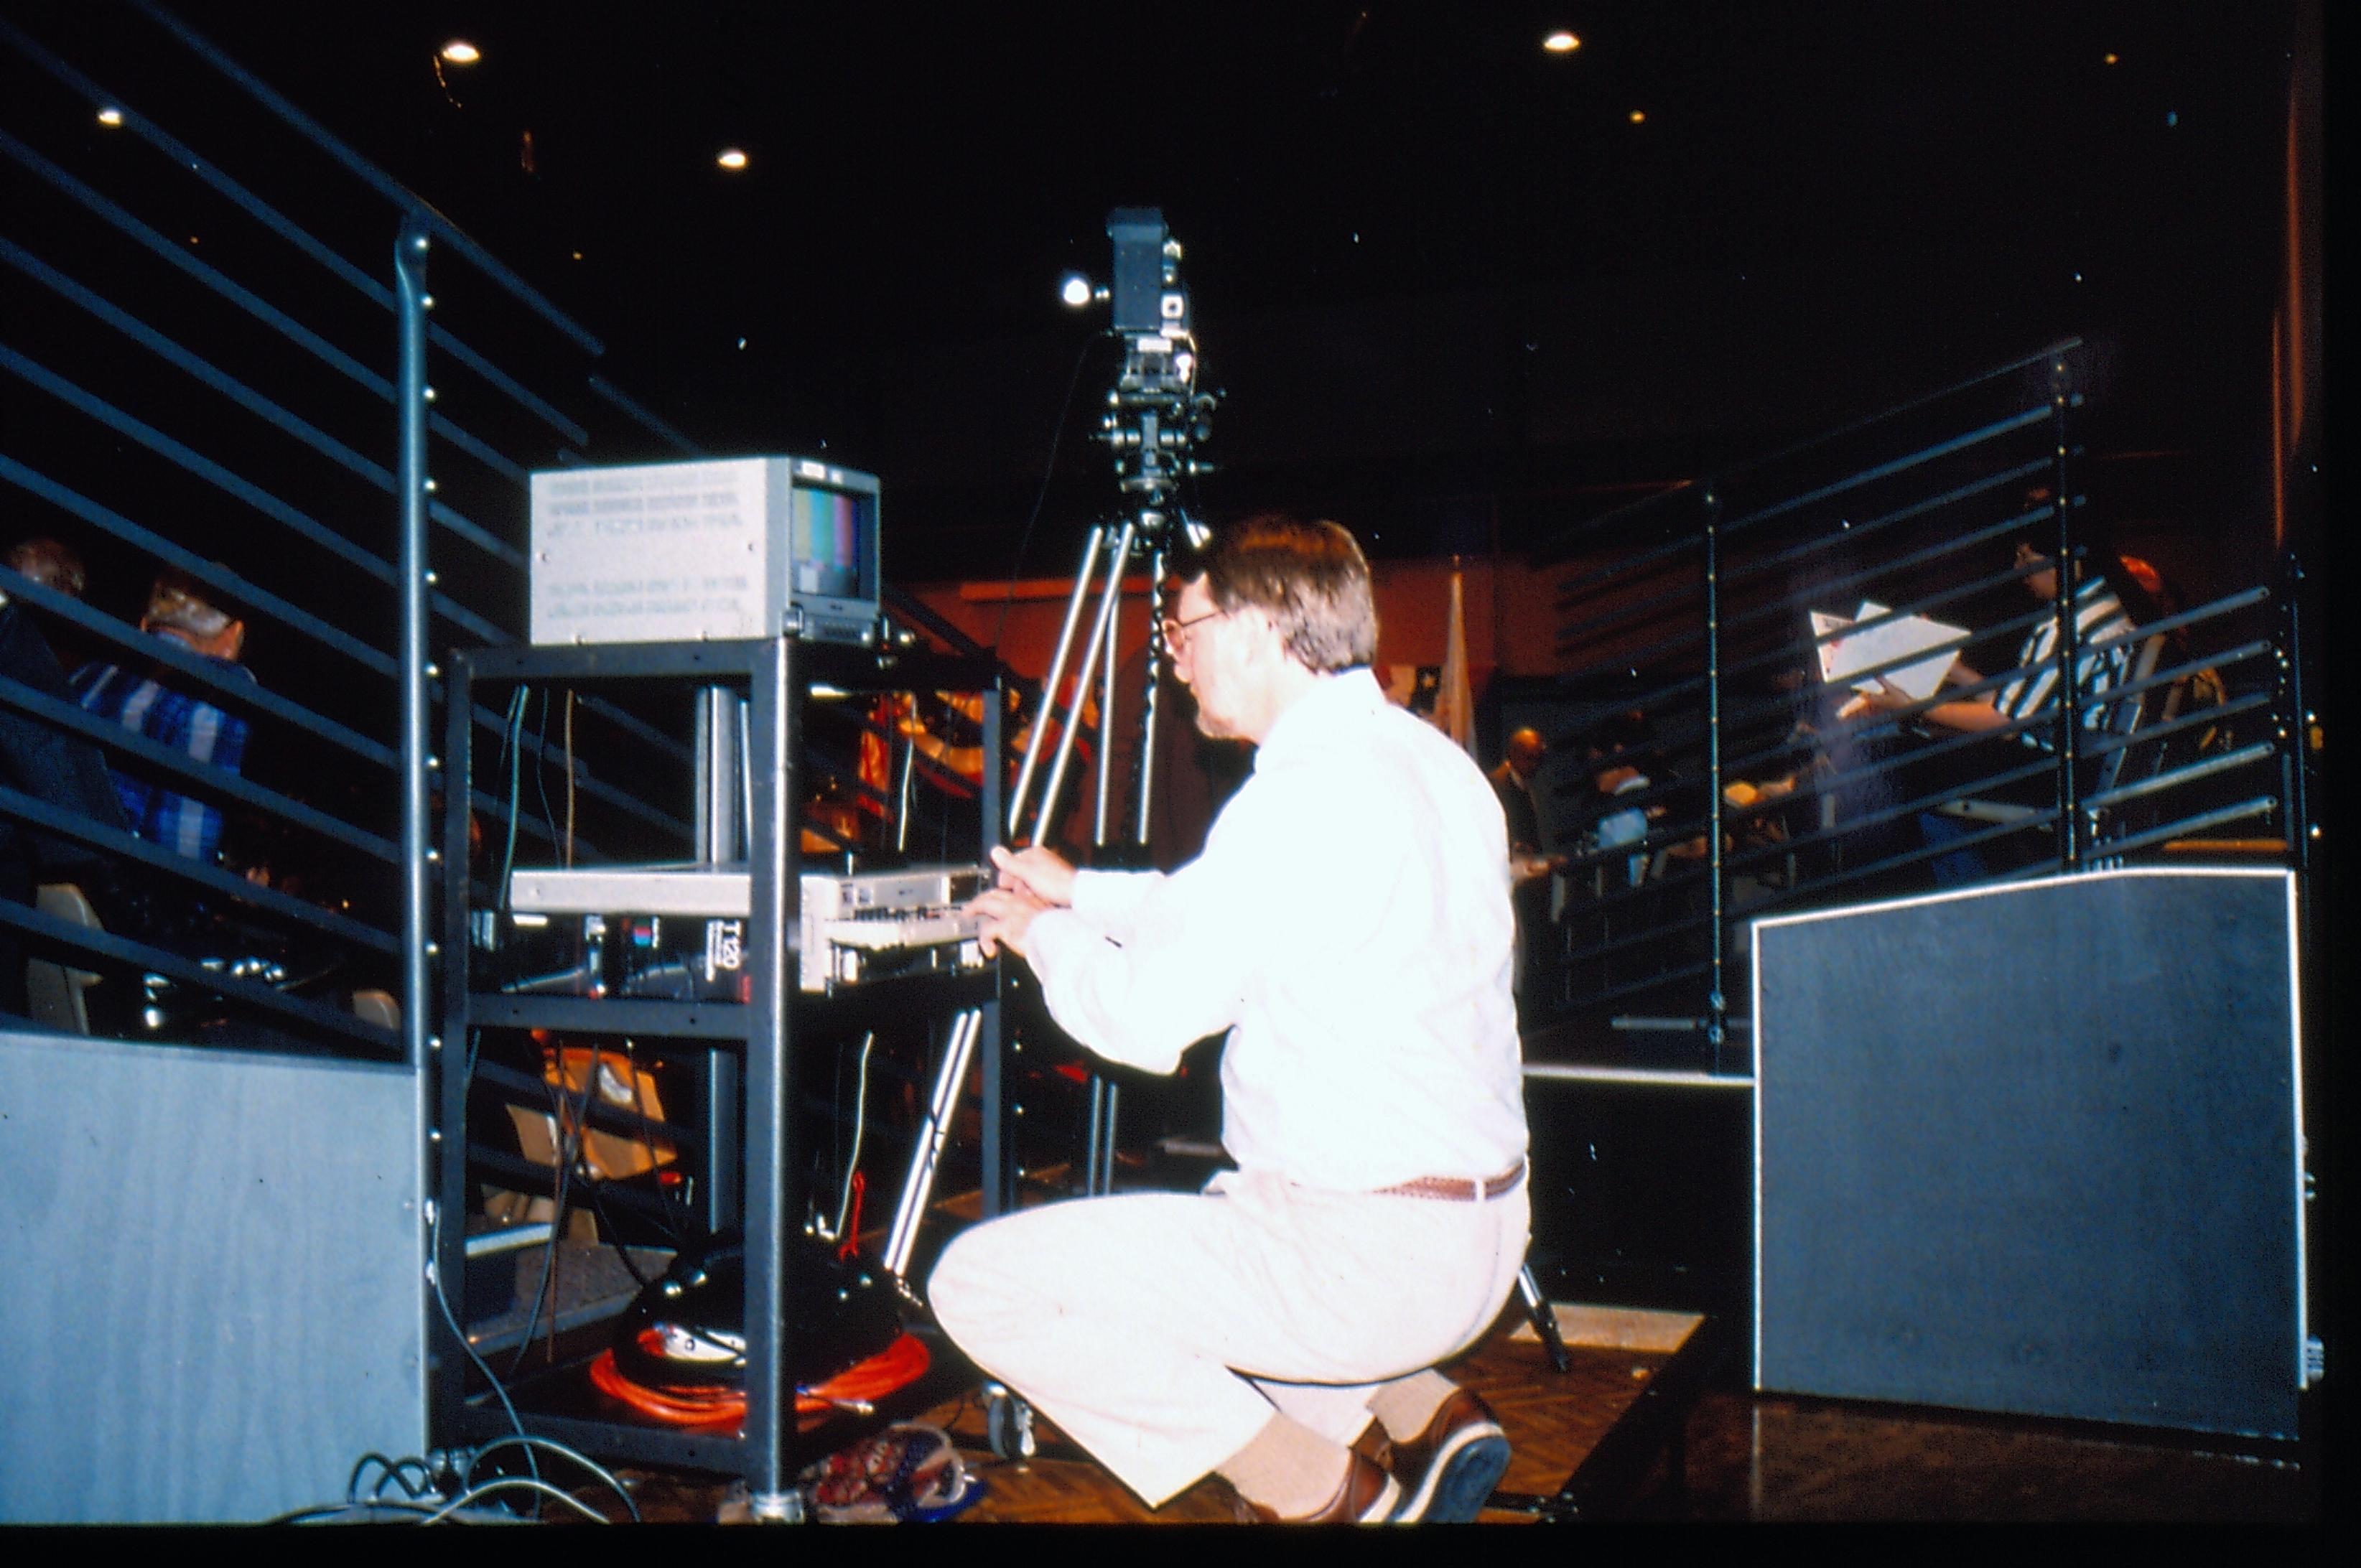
[{"x": 1265, "y": 640}]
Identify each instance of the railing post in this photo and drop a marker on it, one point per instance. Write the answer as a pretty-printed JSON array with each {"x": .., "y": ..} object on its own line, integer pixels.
[
  {"x": 2067, "y": 608},
  {"x": 414, "y": 579},
  {"x": 2296, "y": 719},
  {"x": 1716, "y": 1000},
  {"x": 442, "y": 1376}
]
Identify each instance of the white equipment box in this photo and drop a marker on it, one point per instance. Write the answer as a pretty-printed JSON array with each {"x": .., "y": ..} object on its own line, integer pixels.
[{"x": 741, "y": 547}]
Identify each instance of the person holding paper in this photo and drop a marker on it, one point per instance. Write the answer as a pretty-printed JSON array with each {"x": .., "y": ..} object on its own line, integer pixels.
[
  {"x": 2023, "y": 701},
  {"x": 2097, "y": 616},
  {"x": 1877, "y": 639}
]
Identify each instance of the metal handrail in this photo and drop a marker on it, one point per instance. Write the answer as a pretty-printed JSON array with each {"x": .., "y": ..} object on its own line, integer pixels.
[
  {"x": 1557, "y": 549},
  {"x": 1735, "y": 631},
  {"x": 406, "y": 202},
  {"x": 409, "y": 666}
]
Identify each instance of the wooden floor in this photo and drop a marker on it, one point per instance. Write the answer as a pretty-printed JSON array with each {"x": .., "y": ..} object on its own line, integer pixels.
[
  {"x": 1747, "y": 1457},
  {"x": 1554, "y": 1421}
]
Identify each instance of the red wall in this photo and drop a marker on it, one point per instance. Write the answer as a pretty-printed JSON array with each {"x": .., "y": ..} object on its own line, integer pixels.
[{"x": 1510, "y": 621}]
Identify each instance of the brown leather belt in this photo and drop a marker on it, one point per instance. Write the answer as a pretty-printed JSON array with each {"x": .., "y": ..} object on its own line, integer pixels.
[{"x": 1457, "y": 1189}]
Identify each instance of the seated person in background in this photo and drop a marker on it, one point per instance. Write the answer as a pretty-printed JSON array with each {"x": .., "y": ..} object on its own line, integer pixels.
[
  {"x": 1614, "y": 773},
  {"x": 146, "y": 703},
  {"x": 54, "y": 767},
  {"x": 2029, "y": 694},
  {"x": 948, "y": 727}
]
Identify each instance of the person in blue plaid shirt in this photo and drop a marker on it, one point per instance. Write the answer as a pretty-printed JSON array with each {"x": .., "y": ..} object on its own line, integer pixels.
[{"x": 178, "y": 609}]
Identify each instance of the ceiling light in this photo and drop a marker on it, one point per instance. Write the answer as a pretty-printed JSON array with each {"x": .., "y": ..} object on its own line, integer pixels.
[
  {"x": 110, "y": 116},
  {"x": 459, "y": 52},
  {"x": 1561, "y": 42},
  {"x": 732, "y": 158}
]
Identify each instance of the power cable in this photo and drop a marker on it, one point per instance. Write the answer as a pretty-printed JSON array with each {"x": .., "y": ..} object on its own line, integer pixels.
[
  {"x": 434, "y": 1276},
  {"x": 512, "y": 747},
  {"x": 568, "y": 1150},
  {"x": 468, "y": 1476},
  {"x": 516, "y": 1483}
]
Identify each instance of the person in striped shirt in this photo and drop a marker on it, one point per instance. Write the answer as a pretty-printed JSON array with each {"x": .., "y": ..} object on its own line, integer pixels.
[
  {"x": 2026, "y": 703},
  {"x": 178, "y": 611},
  {"x": 2099, "y": 619}
]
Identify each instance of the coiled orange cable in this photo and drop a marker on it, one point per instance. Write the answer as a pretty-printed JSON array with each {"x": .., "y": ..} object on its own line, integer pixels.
[{"x": 716, "y": 1407}]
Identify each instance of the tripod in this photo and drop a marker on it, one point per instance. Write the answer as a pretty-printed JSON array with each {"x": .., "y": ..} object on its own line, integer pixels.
[
  {"x": 1155, "y": 417},
  {"x": 1111, "y": 549}
]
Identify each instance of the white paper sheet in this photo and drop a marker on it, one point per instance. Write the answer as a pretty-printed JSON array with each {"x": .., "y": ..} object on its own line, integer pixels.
[{"x": 1840, "y": 656}]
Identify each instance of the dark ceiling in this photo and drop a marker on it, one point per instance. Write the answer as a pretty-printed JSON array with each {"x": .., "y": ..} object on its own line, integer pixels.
[{"x": 1431, "y": 262}]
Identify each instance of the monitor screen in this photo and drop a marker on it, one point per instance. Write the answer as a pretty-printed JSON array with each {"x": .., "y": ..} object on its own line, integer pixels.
[{"x": 833, "y": 535}]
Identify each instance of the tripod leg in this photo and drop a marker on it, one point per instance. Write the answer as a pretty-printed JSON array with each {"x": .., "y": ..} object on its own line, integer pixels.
[
  {"x": 1108, "y": 599},
  {"x": 1537, "y": 1308},
  {"x": 1098, "y": 1156},
  {"x": 1082, "y": 577},
  {"x": 920, "y": 1183}
]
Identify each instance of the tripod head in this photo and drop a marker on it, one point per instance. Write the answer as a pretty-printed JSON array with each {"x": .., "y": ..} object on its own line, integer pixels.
[{"x": 1155, "y": 417}]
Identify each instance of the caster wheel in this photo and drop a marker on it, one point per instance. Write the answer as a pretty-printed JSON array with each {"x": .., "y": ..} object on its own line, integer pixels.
[{"x": 1008, "y": 1425}]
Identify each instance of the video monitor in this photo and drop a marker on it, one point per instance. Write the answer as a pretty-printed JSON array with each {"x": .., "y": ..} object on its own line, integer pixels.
[{"x": 710, "y": 548}]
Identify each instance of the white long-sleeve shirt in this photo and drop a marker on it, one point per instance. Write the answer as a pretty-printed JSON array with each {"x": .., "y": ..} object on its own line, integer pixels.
[{"x": 1349, "y": 924}]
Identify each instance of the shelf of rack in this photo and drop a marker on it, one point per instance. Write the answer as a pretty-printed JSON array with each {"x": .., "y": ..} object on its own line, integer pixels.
[{"x": 752, "y": 1155}]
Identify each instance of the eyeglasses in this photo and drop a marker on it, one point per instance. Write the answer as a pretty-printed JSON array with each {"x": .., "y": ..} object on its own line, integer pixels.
[{"x": 1176, "y": 631}]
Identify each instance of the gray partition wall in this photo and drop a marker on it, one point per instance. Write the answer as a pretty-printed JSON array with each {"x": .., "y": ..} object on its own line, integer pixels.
[
  {"x": 2037, "y": 1148},
  {"x": 214, "y": 1303}
]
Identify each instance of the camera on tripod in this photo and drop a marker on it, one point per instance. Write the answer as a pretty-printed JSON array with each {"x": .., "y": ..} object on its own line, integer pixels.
[{"x": 1156, "y": 417}]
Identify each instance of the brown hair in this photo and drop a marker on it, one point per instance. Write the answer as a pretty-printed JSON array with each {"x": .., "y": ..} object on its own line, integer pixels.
[
  {"x": 178, "y": 600},
  {"x": 50, "y": 564},
  {"x": 1309, "y": 577}
]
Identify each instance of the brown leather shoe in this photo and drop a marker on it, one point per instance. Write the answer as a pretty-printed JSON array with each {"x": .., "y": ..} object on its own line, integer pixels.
[
  {"x": 1449, "y": 1469},
  {"x": 1375, "y": 1446},
  {"x": 1367, "y": 1495}
]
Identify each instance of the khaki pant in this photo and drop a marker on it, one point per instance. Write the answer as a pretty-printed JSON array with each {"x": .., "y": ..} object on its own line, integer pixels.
[{"x": 1161, "y": 1330}]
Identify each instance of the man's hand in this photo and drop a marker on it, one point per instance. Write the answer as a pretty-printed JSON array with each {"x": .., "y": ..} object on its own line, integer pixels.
[
  {"x": 1038, "y": 873},
  {"x": 1008, "y": 914}
]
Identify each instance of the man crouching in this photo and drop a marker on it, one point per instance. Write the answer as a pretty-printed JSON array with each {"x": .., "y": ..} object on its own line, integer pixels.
[{"x": 1349, "y": 925}]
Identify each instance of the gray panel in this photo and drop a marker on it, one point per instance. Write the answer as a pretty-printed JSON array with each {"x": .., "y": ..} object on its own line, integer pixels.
[
  {"x": 2034, "y": 1150},
  {"x": 214, "y": 1299}
]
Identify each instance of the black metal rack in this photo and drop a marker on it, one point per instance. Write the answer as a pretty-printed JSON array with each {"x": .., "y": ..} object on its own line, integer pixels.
[{"x": 750, "y": 1149}]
